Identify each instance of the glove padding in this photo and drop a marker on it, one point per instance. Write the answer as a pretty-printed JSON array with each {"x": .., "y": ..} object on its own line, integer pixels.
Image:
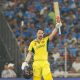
[
  {"x": 58, "y": 25},
  {"x": 24, "y": 64}
]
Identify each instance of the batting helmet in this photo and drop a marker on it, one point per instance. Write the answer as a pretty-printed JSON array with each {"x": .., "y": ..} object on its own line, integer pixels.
[{"x": 27, "y": 72}]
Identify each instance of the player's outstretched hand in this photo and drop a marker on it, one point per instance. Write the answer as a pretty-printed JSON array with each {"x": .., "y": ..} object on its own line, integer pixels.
[
  {"x": 24, "y": 64},
  {"x": 58, "y": 25}
]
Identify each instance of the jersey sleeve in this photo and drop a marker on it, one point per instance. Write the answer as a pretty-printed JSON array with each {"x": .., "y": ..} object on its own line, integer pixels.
[
  {"x": 30, "y": 47},
  {"x": 47, "y": 38}
]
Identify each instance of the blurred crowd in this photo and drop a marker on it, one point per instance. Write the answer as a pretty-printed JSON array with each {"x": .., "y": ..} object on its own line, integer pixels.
[
  {"x": 8, "y": 71},
  {"x": 26, "y": 16}
]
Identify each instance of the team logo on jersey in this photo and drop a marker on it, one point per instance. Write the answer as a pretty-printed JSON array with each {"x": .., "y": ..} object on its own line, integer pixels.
[
  {"x": 39, "y": 46},
  {"x": 35, "y": 44}
]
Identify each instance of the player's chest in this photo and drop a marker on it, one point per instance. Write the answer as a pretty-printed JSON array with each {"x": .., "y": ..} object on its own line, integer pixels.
[{"x": 39, "y": 45}]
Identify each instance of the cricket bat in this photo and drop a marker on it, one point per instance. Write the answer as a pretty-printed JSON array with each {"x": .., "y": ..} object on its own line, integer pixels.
[{"x": 57, "y": 13}]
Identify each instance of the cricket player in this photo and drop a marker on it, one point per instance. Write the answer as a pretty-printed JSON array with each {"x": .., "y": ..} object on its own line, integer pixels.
[{"x": 39, "y": 46}]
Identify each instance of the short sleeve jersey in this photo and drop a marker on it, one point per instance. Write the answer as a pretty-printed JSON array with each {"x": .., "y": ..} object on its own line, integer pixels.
[{"x": 40, "y": 49}]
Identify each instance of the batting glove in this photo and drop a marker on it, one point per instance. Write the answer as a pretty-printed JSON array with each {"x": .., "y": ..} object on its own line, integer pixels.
[
  {"x": 24, "y": 64},
  {"x": 58, "y": 25}
]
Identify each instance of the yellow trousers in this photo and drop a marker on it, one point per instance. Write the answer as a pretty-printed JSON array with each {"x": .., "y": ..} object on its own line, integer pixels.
[{"x": 41, "y": 69}]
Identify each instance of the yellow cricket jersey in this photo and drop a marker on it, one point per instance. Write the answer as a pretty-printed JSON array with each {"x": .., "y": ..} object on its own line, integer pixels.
[{"x": 40, "y": 49}]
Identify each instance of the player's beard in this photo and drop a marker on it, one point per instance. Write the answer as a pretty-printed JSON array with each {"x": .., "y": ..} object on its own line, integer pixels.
[{"x": 40, "y": 37}]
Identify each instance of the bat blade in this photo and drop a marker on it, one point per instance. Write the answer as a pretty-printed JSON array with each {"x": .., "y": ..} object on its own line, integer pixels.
[{"x": 57, "y": 13}]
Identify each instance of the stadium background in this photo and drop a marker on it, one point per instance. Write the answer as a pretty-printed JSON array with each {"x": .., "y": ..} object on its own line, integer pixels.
[{"x": 19, "y": 21}]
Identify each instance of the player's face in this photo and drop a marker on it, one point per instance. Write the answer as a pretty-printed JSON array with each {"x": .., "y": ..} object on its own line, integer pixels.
[{"x": 40, "y": 34}]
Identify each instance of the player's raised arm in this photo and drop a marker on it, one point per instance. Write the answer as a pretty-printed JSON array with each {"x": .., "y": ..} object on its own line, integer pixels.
[{"x": 54, "y": 32}]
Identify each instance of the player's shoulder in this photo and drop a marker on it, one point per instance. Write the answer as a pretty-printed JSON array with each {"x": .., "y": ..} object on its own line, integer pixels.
[
  {"x": 33, "y": 41},
  {"x": 46, "y": 38}
]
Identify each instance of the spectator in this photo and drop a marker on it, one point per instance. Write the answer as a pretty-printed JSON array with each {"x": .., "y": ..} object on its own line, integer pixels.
[
  {"x": 76, "y": 65},
  {"x": 12, "y": 74},
  {"x": 56, "y": 56},
  {"x": 8, "y": 71},
  {"x": 5, "y": 71},
  {"x": 59, "y": 72}
]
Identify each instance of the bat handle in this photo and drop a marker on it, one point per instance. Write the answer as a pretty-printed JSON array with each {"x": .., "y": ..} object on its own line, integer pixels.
[
  {"x": 58, "y": 21},
  {"x": 60, "y": 30}
]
